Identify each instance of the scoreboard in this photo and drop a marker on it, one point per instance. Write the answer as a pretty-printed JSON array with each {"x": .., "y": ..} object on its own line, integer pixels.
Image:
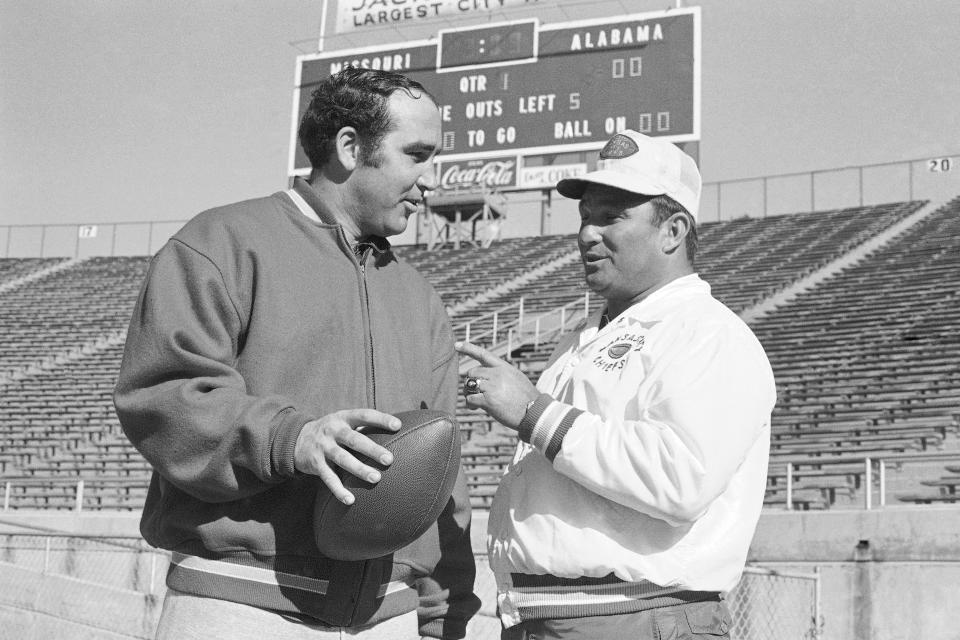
[{"x": 521, "y": 88}]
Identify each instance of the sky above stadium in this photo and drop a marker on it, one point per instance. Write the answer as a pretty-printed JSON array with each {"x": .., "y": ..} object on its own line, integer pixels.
[{"x": 130, "y": 110}]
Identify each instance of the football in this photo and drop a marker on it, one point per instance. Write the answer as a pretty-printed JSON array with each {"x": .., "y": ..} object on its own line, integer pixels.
[{"x": 410, "y": 496}]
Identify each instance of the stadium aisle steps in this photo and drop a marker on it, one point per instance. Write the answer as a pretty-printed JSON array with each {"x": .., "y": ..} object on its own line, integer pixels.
[{"x": 14, "y": 270}]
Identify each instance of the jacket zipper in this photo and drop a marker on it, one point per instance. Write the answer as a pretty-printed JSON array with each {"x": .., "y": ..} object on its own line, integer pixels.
[{"x": 366, "y": 301}]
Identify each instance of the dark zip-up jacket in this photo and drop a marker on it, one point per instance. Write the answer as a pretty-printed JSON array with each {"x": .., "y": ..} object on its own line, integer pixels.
[{"x": 252, "y": 321}]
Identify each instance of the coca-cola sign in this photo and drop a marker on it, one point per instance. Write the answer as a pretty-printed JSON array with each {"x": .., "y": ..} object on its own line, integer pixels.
[{"x": 488, "y": 173}]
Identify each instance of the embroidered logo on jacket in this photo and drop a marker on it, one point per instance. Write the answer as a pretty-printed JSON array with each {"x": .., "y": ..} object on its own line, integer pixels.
[
  {"x": 619, "y": 350},
  {"x": 613, "y": 355}
]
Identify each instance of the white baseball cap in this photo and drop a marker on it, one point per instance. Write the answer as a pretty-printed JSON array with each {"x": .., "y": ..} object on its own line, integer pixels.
[{"x": 640, "y": 164}]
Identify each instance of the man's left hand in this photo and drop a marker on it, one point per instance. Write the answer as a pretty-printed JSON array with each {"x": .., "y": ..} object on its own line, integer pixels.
[{"x": 500, "y": 389}]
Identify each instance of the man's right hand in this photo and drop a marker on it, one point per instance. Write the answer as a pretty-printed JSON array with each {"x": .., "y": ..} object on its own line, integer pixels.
[{"x": 329, "y": 441}]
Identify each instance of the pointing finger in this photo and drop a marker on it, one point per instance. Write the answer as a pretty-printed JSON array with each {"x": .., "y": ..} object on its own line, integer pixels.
[{"x": 479, "y": 354}]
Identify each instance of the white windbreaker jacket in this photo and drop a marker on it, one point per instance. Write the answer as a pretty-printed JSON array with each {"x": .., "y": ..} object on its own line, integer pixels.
[{"x": 645, "y": 458}]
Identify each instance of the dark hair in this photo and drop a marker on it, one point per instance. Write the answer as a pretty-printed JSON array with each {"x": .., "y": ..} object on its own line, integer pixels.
[
  {"x": 352, "y": 98},
  {"x": 663, "y": 208}
]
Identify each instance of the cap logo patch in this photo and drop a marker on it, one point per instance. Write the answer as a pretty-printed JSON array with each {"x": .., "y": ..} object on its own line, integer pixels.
[{"x": 619, "y": 146}]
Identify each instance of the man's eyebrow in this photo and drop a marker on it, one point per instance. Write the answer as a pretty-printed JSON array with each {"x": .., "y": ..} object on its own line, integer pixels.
[{"x": 420, "y": 146}]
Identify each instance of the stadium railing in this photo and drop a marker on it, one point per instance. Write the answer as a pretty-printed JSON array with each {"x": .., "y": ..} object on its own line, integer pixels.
[
  {"x": 760, "y": 196},
  {"x": 872, "y": 474},
  {"x": 786, "y": 488},
  {"x": 505, "y": 336}
]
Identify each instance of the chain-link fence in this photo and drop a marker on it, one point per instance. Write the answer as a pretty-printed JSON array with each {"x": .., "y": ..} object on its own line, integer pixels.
[
  {"x": 54, "y": 585},
  {"x": 766, "y": 604},
  {"x": 124, "y": 563},
  {"x": 772, "y": 604}
]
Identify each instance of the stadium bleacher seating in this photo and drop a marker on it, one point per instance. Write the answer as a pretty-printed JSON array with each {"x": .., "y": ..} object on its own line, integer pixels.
[
  {"x": 745, "y": 260},
  {"x": 867, "y": 362},
  {"x": 67, "y": 309},
  {"x": 11, "y": 270},
  {"x": 461, "y": 274}
]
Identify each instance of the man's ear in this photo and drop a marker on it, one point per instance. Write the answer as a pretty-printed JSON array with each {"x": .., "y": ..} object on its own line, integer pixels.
[
  {"x": 673, "y": 232},
  {"x": 348, "y": 148}
]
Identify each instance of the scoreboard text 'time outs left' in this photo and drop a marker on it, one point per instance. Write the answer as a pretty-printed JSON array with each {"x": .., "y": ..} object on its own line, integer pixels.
[{"x": 528, "y": 89}]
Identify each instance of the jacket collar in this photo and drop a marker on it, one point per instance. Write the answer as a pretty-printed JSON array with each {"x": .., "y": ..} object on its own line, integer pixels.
[
  {"x": 684, "y": 286},
  {"x": 378, "y": 244}
]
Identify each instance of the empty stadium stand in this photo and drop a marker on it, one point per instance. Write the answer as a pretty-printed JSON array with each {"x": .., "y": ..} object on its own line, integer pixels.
[
  {"x": 745, "y": 260},
  {"x": 461, "y": 274},
  {"x": 867, "y": 361},
  {"x": 12, "y": 270},
  {"x": 67, "y": 309}
]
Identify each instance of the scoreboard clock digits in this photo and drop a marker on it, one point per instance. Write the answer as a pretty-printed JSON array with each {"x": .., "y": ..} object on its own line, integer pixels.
[{"x": 487, "y": 45}]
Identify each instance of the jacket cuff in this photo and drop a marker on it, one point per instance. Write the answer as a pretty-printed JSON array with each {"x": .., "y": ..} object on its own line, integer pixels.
[
  {"x": 529, "y": 421},
  {"x": 284, "y": 445},
  {"x": 546, "y": 424},
  {"x": 447, "y": 629}
]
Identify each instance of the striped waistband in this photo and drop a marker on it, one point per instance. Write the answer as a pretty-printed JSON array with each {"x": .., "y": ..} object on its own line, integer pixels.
[
  {"x": 537, "y": 597},
  {"x": 267, "y": 577},
  {"x": 356, "y": 594}
]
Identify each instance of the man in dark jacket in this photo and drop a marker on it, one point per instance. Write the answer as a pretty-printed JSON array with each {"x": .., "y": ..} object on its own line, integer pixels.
[{"x": 265, "y": 334}]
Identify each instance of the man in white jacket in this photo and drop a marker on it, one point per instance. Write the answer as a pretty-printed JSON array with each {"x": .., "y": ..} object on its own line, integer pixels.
[{"x": 630, "y": 504}]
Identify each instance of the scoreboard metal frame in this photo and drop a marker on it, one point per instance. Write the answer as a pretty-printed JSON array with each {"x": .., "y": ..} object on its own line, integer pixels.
[{"x": 532, "y": 89}]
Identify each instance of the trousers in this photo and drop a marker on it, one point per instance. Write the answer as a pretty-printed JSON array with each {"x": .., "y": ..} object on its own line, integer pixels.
[{"x": 189, "y": 617}]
